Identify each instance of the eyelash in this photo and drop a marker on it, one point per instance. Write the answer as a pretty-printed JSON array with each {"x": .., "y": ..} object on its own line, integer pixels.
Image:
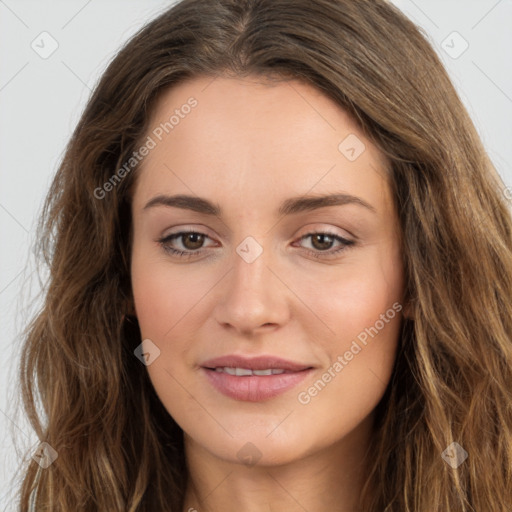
[{"x": 164, "y": 242}]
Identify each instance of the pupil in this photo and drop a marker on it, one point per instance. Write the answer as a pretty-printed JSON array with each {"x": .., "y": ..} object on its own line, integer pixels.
[
  {"x": 196, "y": 239},
  {"x": 325, "y": 244}
]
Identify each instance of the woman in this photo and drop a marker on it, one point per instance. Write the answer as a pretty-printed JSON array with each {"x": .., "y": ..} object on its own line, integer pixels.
[{"x": 280, "y": 276}]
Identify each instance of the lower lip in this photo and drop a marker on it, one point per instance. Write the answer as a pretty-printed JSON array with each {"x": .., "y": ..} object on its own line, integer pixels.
[{"x": 254, "y": 388}]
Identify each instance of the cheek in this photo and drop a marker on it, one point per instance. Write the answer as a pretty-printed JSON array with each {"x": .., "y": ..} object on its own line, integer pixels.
[
  {"x": 362, "y": 307},
  {"x": 163, "y": 295},
  {"x": 351, "y": 298}
]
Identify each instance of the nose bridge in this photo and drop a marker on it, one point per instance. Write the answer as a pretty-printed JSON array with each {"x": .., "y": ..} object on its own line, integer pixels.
[
  {"x": 252, "y": 297},
  {"x": 250, "y": 264}
]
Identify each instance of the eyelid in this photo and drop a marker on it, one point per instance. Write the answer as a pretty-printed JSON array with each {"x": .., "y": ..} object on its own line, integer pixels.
[
  {"x": 203, "y": 230},
  {"x": 182, "y": 232},
  {"x": 345, "y": 242},
  {"x": 319, "y": 227}
]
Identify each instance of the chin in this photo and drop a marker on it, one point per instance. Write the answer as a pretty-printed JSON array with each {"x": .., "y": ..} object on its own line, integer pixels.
[{"x": 257, "y": 447}]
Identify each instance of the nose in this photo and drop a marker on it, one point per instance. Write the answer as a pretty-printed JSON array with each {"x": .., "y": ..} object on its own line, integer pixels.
[{"x": 253, "y": 296}]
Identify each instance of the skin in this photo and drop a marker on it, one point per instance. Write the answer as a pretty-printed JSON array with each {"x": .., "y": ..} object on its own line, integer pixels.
[{"x": 247, "y": 146}]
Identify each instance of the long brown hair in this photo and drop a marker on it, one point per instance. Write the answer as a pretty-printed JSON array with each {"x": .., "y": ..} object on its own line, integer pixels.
[{"x": 118, "y": 448}]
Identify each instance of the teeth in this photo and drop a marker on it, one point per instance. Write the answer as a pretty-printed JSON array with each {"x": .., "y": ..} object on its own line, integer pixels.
[
  {"x": 240, "y": 372},
  {"x": 262, "y": 372}
]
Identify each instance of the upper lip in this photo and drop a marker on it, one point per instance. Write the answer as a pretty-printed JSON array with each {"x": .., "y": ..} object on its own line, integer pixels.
[{"x": 255, "y": 363}]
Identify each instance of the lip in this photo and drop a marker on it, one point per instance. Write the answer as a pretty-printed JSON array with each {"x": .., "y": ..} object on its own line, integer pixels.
[
  {"x": 254, "y": 388},
  {"x": 255, "y": 363}
]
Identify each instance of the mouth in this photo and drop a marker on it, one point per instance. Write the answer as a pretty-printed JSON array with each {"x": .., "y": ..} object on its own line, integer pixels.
[
  {"x": 253, "y": 379},
  {"x": 242, "y": 372}
]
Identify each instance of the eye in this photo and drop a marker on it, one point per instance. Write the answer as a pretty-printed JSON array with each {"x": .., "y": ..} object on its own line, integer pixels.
[
  {"x": 322, "y": 241},
  {"x": 192, "y": 243}
]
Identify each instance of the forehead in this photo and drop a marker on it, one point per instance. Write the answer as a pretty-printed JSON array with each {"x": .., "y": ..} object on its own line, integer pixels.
[{"x": 249, "y": 136}]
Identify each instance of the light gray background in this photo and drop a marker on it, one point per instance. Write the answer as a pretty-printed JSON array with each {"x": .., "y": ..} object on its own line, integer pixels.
[{"x": 41, "y": 101}]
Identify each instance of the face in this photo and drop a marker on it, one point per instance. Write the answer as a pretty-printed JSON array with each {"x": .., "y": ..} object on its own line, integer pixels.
[{"x": 268, "y": 271}]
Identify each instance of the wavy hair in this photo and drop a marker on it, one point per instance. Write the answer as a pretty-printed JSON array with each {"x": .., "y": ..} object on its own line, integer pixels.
[{"x": 118, "y": 448}]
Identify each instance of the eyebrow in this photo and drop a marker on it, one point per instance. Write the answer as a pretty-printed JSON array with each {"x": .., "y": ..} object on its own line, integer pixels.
[{"x": 290, "y": 206}]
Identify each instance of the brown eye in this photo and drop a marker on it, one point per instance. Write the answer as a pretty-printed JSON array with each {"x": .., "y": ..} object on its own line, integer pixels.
[
  {"x": 192, "y": 241},
  {"x": 322, "y": 241}
]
